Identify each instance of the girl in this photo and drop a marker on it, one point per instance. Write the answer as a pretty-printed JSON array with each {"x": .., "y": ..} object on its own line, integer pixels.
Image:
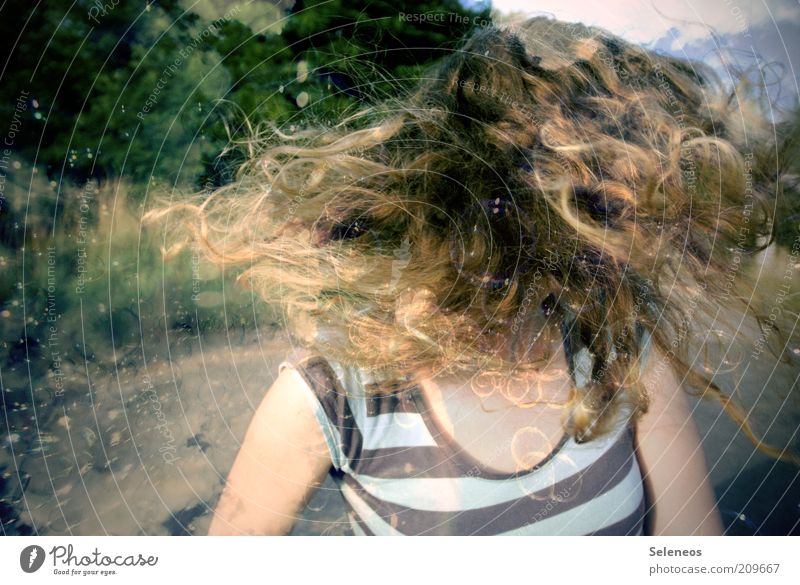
[{"x": 492, "y": 283}]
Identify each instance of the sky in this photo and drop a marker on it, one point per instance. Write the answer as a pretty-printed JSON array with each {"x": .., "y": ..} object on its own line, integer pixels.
[{"x": 744, "y": 31}]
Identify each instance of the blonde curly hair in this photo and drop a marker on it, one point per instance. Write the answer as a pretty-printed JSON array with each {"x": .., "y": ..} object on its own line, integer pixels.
[{"x": 540, "y": 166}]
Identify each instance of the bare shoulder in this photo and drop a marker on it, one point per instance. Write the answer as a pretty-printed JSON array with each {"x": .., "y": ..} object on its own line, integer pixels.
[
  {"x": 285, "y": 415},
  {"x": 282, "y": 460},
  {"x": 671, "y": 458},
  {"x": 668, "y": 403}
]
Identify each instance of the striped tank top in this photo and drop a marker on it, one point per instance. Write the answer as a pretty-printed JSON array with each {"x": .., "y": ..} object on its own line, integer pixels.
[{"x": 400, "y": 475}]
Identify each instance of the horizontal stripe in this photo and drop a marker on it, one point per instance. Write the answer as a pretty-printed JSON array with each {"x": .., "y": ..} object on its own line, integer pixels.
[
  {"x": 619, "y": 510},
  {"x": 384, "y": 403},
  {"x": 439, "y": 462},
  {"x": 396, "y": 429},
  {"x": 631, "y": 525},
  {"x": 572, "y": 492},
  {"x": 359, "y": 528},
  {"x": 398, "y": 480},
  {"x": 408, "y": 462},
  {"x": 475, "y": 492},
  {"x": 591, "y": 516},
  {"x": 370, "y": 519}
]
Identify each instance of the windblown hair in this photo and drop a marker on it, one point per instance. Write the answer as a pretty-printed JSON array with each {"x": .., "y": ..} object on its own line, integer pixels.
[{"x": 542, "y": 178}]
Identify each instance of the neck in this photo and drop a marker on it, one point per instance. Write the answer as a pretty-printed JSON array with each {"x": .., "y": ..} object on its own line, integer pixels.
[{"x": 547, "y": 381}]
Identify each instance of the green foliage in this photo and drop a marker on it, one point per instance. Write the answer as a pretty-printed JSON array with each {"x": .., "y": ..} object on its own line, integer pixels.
[
  {"x": 143, "y": 96},
  {"x": 134, "y": 91},
  {"x": 787, "y": 209},
  {"x": 94, "y": 284}
]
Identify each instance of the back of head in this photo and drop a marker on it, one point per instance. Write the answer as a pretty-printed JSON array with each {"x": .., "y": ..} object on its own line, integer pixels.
[{"x": 544, "y": 178}]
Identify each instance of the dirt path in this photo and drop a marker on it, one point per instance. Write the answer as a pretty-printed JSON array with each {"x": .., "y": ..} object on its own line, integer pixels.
[{"x": 145, "y": 450}]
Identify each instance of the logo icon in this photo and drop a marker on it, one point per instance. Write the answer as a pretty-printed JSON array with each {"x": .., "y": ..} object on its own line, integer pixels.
[{"x": 31, "y": 558}]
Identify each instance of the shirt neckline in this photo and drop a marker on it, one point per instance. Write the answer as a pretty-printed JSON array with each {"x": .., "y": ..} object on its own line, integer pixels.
[{"x": 464, "y": 460}]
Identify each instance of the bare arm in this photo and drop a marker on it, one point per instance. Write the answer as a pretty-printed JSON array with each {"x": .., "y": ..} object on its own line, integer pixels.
[
  {"x": 281, "y": 462},
  {"x": 671, "y": 458}
]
